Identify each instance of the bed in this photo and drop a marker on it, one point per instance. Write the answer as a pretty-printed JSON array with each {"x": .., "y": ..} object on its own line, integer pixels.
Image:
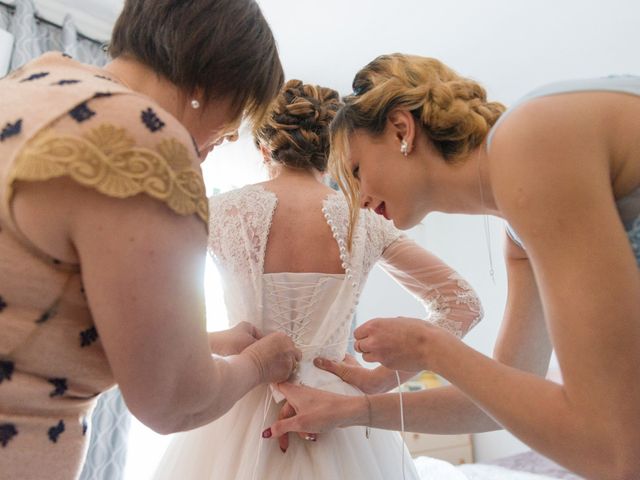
[{"x": 524, "y": 466}]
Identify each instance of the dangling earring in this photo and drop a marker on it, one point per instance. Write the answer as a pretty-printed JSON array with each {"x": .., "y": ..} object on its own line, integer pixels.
[
  {"x": 404, "y": 148},
  {"x": 195, "y": 104}
]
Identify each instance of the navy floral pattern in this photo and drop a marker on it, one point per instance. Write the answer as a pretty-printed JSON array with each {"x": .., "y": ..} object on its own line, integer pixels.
[
  {"x": 49, "y": 314},
  {"x": 82, "y": 113},
  {"x": 6, "y": 370},
  {"x": 88, "y": 336},
  {"x": 11, "y": 130},
  {"x": 7, "y": 432},
  {"x": 66, "y": 82},
  {"x": 60, "y": 385},
  {"x": 55, "y": 431},
  {"x": 151, "y": 120},
  {"x": 34, "y": 76},
  {"x": 102, "y": 77}
]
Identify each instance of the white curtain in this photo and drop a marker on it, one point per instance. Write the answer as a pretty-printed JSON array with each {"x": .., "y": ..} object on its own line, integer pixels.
[
  {"x": 110, "y": 425},
  {"x": 6, "y": 42},
  {"x": 6, "y": 47},
  {"x": 33, "y": 37}
]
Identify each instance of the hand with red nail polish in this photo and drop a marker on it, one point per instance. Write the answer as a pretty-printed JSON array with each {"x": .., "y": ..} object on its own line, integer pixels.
[
  {"x": 316, "y": 411},
  {"x": 287, "y": 411}
]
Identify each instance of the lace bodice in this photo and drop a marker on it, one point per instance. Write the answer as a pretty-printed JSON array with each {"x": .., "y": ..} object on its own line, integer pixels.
[{"x": 317, "y": 309}]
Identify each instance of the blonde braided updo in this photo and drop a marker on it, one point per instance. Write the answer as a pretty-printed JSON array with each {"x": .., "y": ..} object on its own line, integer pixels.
[
  {"x": 296, "y": 131},
  {"x": 453, "y": 111}
]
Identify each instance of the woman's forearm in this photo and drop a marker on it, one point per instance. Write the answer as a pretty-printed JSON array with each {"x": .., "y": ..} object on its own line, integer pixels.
[
  {"x": 442, "y": 410},
  {"x": 389, "y": 379},
  {"x": 537, "y": 411},
  {"x": 211, "y": 392}
]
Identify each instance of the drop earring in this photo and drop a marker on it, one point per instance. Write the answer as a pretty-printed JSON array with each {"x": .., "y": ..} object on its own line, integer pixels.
[
  {"x": 195, "y": 104},
  {"x": 404, "y": 148}
]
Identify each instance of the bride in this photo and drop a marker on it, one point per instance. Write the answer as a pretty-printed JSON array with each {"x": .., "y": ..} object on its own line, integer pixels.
[{"x": 287, "y": 264}]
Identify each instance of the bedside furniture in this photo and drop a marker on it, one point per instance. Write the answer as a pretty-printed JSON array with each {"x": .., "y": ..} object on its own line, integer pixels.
[{"x": 455, "y": 449}]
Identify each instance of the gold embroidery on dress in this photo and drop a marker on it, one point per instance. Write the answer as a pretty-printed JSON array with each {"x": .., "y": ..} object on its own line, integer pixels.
[{"x": 107, "y": 159}]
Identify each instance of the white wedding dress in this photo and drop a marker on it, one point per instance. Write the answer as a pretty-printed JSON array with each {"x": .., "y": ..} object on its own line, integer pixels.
[{"x": 316, "y": 310}]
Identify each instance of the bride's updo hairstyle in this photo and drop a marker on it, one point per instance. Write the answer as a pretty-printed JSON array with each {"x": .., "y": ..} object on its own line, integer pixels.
[
  {"x": 453, "y": 111},
  {"x": 296, "y": 130}
]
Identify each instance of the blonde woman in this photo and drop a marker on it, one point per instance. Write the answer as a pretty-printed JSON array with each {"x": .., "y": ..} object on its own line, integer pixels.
[
  {"x": 562, "y": 167},
  {"x": 281, "y": 248}
]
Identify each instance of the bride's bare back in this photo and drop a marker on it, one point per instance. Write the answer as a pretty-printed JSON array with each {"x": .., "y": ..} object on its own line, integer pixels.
[{"x": 300, "y": 239}]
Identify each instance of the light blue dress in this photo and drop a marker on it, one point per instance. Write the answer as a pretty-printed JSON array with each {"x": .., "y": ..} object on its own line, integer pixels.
[{"x": 628, "y": 206}]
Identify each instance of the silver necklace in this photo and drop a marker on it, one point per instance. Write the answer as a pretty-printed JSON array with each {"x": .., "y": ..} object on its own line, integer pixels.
[{"x": 487, "y": 229}]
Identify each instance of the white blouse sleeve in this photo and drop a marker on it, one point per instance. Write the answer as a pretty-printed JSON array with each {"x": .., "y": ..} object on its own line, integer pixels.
[{"x": 450, "y": 301}]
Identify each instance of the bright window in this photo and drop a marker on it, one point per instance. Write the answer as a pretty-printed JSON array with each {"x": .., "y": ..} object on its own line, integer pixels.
[{"x": 229, "y": 166}]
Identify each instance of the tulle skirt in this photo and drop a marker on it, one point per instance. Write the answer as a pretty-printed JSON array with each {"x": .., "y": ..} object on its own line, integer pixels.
[{"x": 231, "y": 448}]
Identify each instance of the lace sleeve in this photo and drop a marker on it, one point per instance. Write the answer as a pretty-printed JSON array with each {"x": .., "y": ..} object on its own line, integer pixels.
[
  {"x": 450, "y": 301},
  {"x": 380, "y": 231},
  {"x": 379, "y": 234},
  {"x": 239, "y": 225}
]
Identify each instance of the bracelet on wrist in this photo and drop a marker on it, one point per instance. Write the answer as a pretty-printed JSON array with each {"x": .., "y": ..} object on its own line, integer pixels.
[{"x": 367, "y": 430}]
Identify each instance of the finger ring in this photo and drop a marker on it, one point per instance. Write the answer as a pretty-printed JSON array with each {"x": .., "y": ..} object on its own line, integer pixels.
[
  {"x": 310, "y": 437},
  {"x": 295, "y": 366}
]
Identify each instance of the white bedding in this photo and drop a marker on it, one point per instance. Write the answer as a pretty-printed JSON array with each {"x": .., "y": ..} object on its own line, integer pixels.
[{"x": 433, "y": 469}]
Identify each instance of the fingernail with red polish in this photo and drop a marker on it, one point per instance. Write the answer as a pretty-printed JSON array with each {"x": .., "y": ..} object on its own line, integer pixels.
[{"x": 266, "y": 433}]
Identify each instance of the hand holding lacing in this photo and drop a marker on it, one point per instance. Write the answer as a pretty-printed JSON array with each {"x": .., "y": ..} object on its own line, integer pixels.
[
  {"x": 406, "y": 344},
  {"x": 233, "y": 340},
  {"x": 275, "y": 357}
]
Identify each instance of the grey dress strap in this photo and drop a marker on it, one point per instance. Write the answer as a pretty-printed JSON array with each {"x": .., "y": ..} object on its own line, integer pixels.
[
  {"x": 613, "y": 83},
  {"x": 513, "y": 235}
]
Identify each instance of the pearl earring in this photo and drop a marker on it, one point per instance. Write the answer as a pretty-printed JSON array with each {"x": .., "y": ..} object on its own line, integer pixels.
[
  {"x": 404, "y": 148},
  {"x": 195, "y": 104}
]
